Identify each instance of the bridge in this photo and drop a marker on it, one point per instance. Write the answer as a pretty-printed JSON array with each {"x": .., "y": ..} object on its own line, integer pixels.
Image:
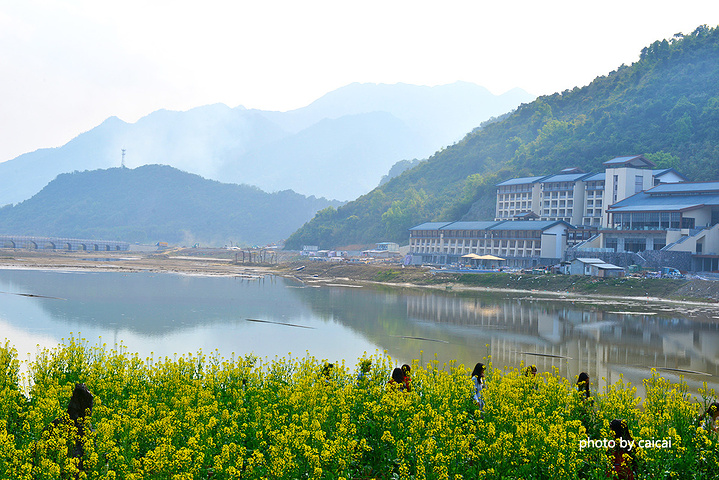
[{"x": 62, "y": 244}]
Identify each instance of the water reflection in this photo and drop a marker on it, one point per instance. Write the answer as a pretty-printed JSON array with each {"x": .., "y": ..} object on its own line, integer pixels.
[
  {"x": 167, "y": 314},
  {"x": 516, "y": 330},
  {"x": 164, "y": 314},
  {"x": 602, "y": 343}
]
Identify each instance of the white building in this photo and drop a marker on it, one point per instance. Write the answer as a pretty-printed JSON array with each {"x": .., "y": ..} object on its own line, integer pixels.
[
  {"x": 580, "y": 198},
  {"x": 523, "y": 243}
]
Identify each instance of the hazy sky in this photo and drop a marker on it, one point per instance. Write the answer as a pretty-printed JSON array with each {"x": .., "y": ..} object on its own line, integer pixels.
[{"x": 65, "y": 66}]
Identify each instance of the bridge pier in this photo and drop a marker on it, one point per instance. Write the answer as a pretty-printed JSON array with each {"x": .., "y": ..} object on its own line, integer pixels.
[{"x": 62, "y": 244}]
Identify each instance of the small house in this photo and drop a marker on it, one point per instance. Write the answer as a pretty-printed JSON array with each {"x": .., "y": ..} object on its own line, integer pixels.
[{"x": 581, "y": 266}]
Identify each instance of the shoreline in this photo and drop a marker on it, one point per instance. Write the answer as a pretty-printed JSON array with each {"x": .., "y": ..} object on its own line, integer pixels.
[{"x": 221, "y": 263}]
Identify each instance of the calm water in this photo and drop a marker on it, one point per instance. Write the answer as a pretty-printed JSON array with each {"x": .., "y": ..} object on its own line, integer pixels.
[{"x": 166, "y": 314}]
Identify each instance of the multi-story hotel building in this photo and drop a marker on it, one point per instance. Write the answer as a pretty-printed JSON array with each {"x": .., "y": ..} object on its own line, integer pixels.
[
  {"x": 576, "y": 197},
  {"x": 523, "y": 243},
  {"x": 631, "y": 207}
]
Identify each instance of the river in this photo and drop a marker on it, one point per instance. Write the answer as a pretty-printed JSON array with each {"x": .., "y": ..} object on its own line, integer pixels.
[{"x": 162, "y": 315}]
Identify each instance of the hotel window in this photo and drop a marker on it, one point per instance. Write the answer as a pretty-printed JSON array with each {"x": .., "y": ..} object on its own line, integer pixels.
[
  {"x": 638, "y": 183},
  {"x": 616, "y": 187}
]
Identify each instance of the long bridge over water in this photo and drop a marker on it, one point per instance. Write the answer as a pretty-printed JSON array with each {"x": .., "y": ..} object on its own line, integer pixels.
[{"x": 61, "y": 243}]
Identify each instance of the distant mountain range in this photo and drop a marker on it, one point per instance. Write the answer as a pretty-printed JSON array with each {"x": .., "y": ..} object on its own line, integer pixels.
[
  {"x": 158, "y": 203},
  {"x": 338, "y": 147},
  {"x": 665, "y": 106}
]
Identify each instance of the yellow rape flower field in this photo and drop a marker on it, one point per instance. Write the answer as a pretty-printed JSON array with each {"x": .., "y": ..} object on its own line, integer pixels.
[{"x": 207, "y": 417}]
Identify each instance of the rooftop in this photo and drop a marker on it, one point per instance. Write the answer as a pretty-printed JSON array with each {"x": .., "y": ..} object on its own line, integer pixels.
[
  {"x": 664, "y": 171},
  {"x": 595, "y": 177},
  {"x": 521, "y": 181},
  {"x": 430, "y": 226},
  {"x": 667, "y": 197},
  {"x": 685, "y": 188},
  {"x": 528, "y": 224},
  {"x": 633, "y": 161},
  {"x": 567, "y": 177},
  {"x": 483, "y": 225}
]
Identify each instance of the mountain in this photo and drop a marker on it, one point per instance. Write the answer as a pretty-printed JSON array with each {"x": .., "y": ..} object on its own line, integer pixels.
[
  {"x": 356, "y": 132},
  {"x": 665, "y": 106},
  {"x": 158, "y": 203}
]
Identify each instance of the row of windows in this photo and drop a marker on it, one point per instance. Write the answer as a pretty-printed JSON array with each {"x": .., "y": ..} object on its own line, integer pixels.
[
  {"x": 483, "y": 244},
  {"x": 562, "y": 212},
  {"x": 635, "y": 244},
  {"x": 514, "y": 196},
  {"x": 650, "y": 221},
  {"x": 566, "y": 219},
  {"x": 513, "y": 252},
  {"x": 524, "y": 205},
  {"x": 558, "y": 195},
  {"x": 558, "y": 186},
  {"x": 560, "y": 203},
  {"x": 527, "y": 187},
  {"x": 420, "y": 234}
]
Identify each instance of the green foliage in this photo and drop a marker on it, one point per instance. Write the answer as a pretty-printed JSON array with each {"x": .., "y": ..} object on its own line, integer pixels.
[
  {"x": 205, "y": 416},
  {"x": 665, "y": 106},
  {"x": 159, "y": 203}
]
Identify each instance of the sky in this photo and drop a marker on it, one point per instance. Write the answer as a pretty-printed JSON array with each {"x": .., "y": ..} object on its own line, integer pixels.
[{"x": 65, "y": 66}]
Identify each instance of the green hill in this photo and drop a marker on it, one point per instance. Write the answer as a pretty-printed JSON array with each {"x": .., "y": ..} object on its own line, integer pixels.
[
  {"x": 665, "y": 106},
  {"x": 158, "y": 203}
]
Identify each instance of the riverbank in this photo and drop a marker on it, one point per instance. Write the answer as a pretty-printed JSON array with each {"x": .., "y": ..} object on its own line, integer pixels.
[{"x": 687, "y": 293}]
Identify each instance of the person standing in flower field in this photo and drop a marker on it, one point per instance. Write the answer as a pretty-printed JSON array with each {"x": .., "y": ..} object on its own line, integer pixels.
[
  {"x": 710, "y": 420},
  {"x": 397, "y": 379},
  {"x": 478, "y": 380},
  {"x": 327, "y": 371},
  {"x": 621, "y": 456},
  {"x": 586, "y": 410},
  {"x": 583, "y": 385},
  {"x": 365, "y": 367},
  {"x": 407, "y": 379}
]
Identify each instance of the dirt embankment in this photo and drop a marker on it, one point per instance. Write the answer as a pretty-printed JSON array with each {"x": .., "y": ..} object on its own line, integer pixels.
[
  {"x": 640, "y": 288},
  {"x": 228, "y": 262}
]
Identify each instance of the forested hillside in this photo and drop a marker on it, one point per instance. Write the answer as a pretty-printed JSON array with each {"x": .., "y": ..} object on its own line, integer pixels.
[
  {"x": 665, "y": 106},
  {"x": 158, "y": 203}
]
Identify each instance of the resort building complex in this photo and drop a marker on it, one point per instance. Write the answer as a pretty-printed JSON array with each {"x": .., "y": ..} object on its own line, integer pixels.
[{"x": 630, "y": 208}]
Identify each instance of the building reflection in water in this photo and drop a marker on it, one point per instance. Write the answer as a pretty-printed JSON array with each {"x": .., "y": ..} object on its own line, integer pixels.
[{"x": 575, "y": 338}]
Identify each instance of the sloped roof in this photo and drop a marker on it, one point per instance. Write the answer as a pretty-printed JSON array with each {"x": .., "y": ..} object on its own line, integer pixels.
[
  {"x": 566, "y": 177},
  {"x": 589, "y": 260},
  {"x": 430, "y": 226},
  {"x": 607, "y": 266},
  {"x": 528, "y": 225},
  {"x": 633, "y": 161},
  {"x": 664, "y": 171},
  {"x": 521, "y": 181},
  {"x": 668, "y": 197},
  {"x": 685, "y": 188},
  {"x": 481, "y": 225},
  {"x": 595, "y": 177}
]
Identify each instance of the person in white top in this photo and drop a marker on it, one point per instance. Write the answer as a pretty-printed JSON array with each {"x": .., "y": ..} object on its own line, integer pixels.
[{"x": 478, "y": 379}]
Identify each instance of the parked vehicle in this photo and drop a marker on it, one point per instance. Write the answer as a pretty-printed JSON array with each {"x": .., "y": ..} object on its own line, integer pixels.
[{"x": 669, "y": 272}]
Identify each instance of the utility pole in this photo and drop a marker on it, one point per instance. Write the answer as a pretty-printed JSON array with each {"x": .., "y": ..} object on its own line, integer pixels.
[{"x": 122, "y": 165}]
